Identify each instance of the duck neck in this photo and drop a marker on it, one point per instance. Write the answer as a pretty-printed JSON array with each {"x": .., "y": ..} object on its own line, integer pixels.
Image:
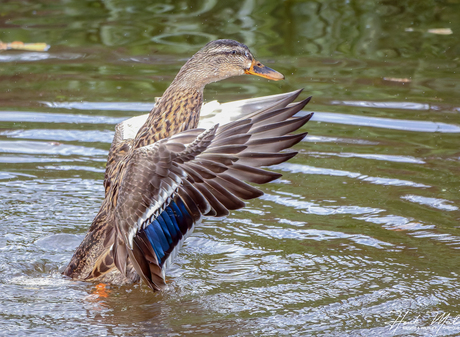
[
  {"x": 179, "y": 107},
  {"x": 176, "y": 111}
]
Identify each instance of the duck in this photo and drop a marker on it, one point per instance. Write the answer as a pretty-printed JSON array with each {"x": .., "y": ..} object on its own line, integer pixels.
[{"x": 164, "y": 173}]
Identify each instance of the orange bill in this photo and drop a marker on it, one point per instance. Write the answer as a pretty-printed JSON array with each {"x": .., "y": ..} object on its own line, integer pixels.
[{"x": 259, "y": 69}]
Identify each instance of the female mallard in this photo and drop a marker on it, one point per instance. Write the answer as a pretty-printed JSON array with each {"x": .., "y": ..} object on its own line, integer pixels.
[{"x": 162, "y": 180}]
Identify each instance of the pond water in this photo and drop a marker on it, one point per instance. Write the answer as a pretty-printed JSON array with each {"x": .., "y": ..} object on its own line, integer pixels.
[{"x": 360, "y": 236}]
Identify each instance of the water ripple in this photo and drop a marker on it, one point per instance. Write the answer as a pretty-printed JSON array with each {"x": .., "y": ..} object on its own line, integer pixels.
[
  {"x": 378, "y": 122},
  {"x": 29, "y": 147},
  {"x": 452, "y": 240},
  {"x": 61, "y": 135},
  {"x": 383, "y": 157},
  {"x": 312, "y": 208},
  {"x": 10, "y": 175},
  {"x": 318, "y": 235},
  {"x": 384, "y": 105},
  {"x": 396, "y": 222},
  {"x": 385, "y": 123},
  {"x": 59, "y": 242},
  {"x": 114, "y": 106},
  {"x": 73, "y": 168},
  {"x": 43, "y": 117},
  {"x": 30, "y": 57},
  {"x": 299, "y": 168},
  {"x": 323, "y": 139},
  {"x": 432, "y": 202}
]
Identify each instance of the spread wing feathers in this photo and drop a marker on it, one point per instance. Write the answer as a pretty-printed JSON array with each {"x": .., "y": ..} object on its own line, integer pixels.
[
  {"x": 282, "y": 103},
  {"x": 126, "y": 131},
  {"x": 155, "y": 209},
  {"x": 165, "y": 188}
]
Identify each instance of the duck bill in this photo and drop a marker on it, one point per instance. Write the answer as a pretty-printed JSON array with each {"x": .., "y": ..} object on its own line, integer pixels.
[{"x": 259, "y": 69}]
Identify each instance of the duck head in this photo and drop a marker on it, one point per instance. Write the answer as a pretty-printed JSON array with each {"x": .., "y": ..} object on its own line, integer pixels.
[{"x": 219, "y": 60}]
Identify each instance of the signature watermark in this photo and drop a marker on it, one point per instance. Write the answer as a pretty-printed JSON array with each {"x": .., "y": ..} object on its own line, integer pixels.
[{"x": 440, "y": 321}]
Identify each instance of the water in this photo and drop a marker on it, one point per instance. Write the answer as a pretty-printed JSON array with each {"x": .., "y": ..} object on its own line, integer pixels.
[{"x": 359, "y": 237}]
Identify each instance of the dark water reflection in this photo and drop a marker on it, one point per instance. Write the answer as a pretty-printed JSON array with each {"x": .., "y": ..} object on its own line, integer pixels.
[{"x": 362, "y": 228}]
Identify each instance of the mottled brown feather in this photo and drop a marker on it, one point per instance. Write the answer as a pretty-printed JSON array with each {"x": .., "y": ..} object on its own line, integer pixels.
[{"x": 143, "y": 171}]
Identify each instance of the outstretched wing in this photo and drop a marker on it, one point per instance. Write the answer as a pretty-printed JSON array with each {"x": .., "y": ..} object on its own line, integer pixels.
[
  {"x": 166, "y": 187},
  {"x": 126, "y": 131}
]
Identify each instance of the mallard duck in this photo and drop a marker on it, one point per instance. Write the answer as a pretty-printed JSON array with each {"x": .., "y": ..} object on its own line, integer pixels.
[{"x": 164, "y": 174}]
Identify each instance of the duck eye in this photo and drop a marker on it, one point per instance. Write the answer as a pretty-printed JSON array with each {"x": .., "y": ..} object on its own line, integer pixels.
[{"x": 233, "y": 52}]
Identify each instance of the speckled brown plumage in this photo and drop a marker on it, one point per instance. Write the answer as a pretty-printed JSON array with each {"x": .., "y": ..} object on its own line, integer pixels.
[
  {"x": 144, "y": 169},
  {"x": 180, "y": 111},
  {"x": 208, "y": 176},
  {"x": 175, "y": 112}
]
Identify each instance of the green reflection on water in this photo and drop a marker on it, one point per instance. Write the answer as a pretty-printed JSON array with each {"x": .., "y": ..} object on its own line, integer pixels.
[{"x": 339, "y": 237}]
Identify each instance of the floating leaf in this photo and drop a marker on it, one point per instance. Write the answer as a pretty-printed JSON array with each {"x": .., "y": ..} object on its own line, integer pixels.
[
  {"x": 399, "y": 80},
  {"x": 18, "y": 45},
  {"x": 440, "y": 31}
]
